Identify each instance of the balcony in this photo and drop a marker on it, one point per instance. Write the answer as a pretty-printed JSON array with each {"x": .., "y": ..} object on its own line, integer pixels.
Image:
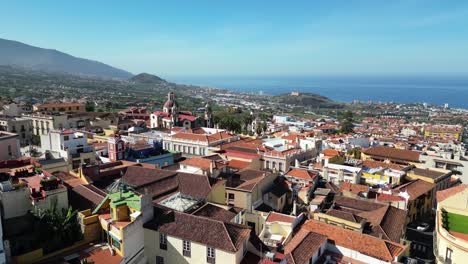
[
  {"x": 210, "y": 260},
  {"x": 187, "y": 253}
]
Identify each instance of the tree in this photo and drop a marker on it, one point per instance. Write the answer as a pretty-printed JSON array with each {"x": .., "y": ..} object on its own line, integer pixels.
[
  {"x": 89, "y": 106},
  {"x": 347, "y": 120},
  {"x": 61, "y": 227}
]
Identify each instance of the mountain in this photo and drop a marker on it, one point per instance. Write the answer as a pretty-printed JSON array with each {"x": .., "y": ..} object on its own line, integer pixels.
[
  {"x": 14, "y": 53},
  {"x": 146, "y": 78},
  {"x": 306, "y": 100}
]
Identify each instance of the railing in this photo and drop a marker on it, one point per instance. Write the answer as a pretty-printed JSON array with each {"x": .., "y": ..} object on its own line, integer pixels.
[
  {"x": 187, "y": 253},
  {"x": 210, "y": 260}
]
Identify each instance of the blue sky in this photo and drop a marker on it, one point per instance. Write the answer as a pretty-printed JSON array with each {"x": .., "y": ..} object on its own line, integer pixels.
[{"x": 223, "y": 38}]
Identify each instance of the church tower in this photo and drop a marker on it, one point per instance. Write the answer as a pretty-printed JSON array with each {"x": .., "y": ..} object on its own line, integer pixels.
[{"x": 208, "y": 115}]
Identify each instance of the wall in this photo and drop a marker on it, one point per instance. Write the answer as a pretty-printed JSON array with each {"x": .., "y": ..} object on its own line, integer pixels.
[
  {"x": 15, "y": 203},
  {"x": 174, "y": 253},
  {"x": 9, "y": 147}
]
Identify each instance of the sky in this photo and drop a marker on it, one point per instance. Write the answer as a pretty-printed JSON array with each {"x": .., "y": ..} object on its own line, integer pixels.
[{"x": 249, "y": 38}]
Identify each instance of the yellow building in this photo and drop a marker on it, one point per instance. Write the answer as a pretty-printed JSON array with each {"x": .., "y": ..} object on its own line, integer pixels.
[
  {"x": 451, "y": 234},
  {"x": 382, "y": 173},
  {"x": 245, "y": 190},
  {"x": 440, "y": 177},
  {"x": 121, "y": 217},
  {"x": 419, "y": 197},
  {"x": 451, "y": 132}
]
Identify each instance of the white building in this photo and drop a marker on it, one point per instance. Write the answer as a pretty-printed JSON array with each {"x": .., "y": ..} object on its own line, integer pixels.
[{"x": 69, "y": 144}]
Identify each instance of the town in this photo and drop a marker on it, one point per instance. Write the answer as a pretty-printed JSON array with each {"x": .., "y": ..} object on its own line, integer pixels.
[{"x": 233, "y": 178}]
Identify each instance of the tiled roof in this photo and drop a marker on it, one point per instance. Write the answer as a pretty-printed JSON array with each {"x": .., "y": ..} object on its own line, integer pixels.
[
  {"x": 444, "y": 194},
  {"x": 415, "y": 188},
  {"x": 301, "y": 174},
  {"x": 277, "y": 217},
  {"x": 393, "y": 153},
  {"x": 353, "y": 188},
  {"x": 384, "y": 220},
  {"x": 330, "y": 152},
  {"x": 376, "y": 164},
  {"x": 238, "y": 164},
  {"x": 215, "y": 212},
  {"x": 365, "y": 244},
  {"x": 90, "y": 193},
  {"x": 430, "y": 173},
  {"x": 222, "y": 235},
  {"x": 202, "y": 163},
  {"x": 163, "y": 182},
  {"x": 345, "y": 215},
  {"x": 303, "y": 246}
]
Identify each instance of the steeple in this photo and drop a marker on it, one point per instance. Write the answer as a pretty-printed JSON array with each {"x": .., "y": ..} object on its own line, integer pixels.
[{"x": 208, "y": 115}]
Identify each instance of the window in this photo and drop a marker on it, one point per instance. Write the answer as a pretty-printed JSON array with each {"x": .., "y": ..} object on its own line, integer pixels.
[
  {"x": 210, "y": 255},
  {"x": 159, "y": 260},
  {"x": 162, "y": 241},
  {"x": 231, "y": 196},
  {"x": 448, "y": 254},
  {"x": 115, "y": 243},
  {"x": 65, "y": 138},
  {"x": 10, "y": 153},
  {"x": 186, "y": 248}
]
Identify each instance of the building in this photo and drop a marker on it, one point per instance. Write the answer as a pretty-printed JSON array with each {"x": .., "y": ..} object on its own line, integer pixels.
[
  {"x": 70, "y": 145},
  {"x": 18, "y": 125},
  {"x": 367, "y": 217},
  {"x": 348, "y": 246},
  {"x": 415, "y": 196},
  {"x": 170, "y": 238},
  {"x": 9, "y": 146},
  {"x": 246, "y": 189},
  {"x": 171, "y": 116},
  {"x": 15, "y": 109},
  {"x": 451, "y": 231},
  {"x": 383, "y": 173},
  {"x": 122, "y": 214},
  {"x": 305, "y": 248},
  {"x": 197, "y": 142},
  {"x": 337, "y": 173},
  {"x": 392, "y": 155},
  {"x": 43, "y": 123},
  {"x": 451, "y": 132},
  {"x": 116, "y": 148},
  {"x": 136, "y": 113},
  {"x": 59, "y": 107},
  {"x": 302, "y": 181},
  {"x": 26, "y": 187},
  {"x": 278, "y": 229},
  {"x": 440, "y": 177}
]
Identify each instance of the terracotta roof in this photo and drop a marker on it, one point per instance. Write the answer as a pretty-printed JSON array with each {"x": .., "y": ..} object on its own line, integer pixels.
[
  {"x": 202, "y": 163},
  {"x": 246, "y": 179},
  {"x": 160, "y": 183},
  {"x": 376, "y": 164},
  {"x": 363, "y": 243},
  {"x": 238, "y": 164},
  {"x": 433, "y": 174},
  {"x": 303, "y": 246},
  {"x": 301, "y": 174},
  {"x": 222, "y": 235},
  {"x": 384, "y": 220},
  {"x": 444, "y": 194},
  {"x": 90, "y": 193},
  {"x": 415, "y": 188},
  {"x": 330, "y": 152},
  {"x": 277, "y": 217},
  {"x": 393, "y": 153},
  {"x": 353, "y": 188},
  {"x": 215, "y": 212}
]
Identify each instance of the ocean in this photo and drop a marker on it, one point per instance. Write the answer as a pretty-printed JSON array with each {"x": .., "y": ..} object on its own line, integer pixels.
[{"x": 431, "y": 90}]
